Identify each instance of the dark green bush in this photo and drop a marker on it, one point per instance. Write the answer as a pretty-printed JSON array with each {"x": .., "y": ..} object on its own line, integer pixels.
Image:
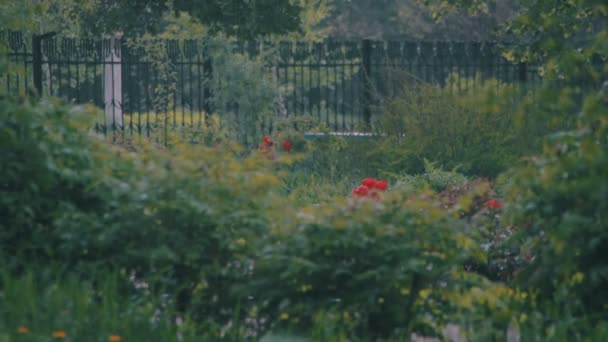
[
  {"x": 183, "y": 221},
  {"x": 481, "y": 131},
  {"x": 559, "y": 203},
  {"x": 436, "y": 178},
  {"x": 377, "y": 268}
]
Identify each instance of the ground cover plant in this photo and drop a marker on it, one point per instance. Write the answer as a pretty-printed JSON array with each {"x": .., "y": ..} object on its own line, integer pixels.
[{"x": 42, "y": 305}]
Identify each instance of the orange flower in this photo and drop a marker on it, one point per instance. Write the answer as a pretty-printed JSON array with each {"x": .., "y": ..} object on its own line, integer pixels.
[
  {"x": 23, "y": 330},
  {"x": 115, "y": 338},
  {"x": 59, "y": 334}
]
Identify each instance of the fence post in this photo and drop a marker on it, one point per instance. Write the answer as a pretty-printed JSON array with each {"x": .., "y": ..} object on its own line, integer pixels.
[
  {"x": 366, "y": 60},
  {"x": 207, "y": 77},
  {"x": 112, "y": 84},
  {"x": 523, "y": 72},
  {"x": 37, "y": 59},
  {"x": 37, "y": 63}
]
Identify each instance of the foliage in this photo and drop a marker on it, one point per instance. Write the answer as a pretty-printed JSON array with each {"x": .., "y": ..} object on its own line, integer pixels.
[
  {"x": 408, "y": 19},
  {"x": 559, "y": 200},
  {"x": 242, "y": 91},
  {"x": 436, "y": 178},
  {"x": 314, "y": 15},
  {"x": 377, "y": 268},
  {"x": 480, "y": 135},
  {"x": 205, "y": 231},
  {"x": 349, "y": 159},
  {"x": 568, "y": 38},
  {"x": 183, "y": 222},
  {"x": 245, "y": 19},
  {"x": 36, "y": 305}
]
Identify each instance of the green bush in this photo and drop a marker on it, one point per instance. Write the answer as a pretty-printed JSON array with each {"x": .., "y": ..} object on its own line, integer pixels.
[
  {"x": 209, "y": 231},
  {"x": 482, "y": 131},
  {"x": 350, "y": 159},
  {"x": 558, "y": 205},
  {"x": 377, "y": 268},
  {"x": 436, "y": 178},
  {"x": 184, "y": 221}
]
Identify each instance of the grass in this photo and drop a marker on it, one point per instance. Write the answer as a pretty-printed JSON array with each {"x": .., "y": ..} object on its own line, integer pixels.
[{"x": 36, "y": 307}]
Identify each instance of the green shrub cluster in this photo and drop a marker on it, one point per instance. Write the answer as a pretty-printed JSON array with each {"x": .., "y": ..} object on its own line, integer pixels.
[
  {"x": 559, "y": 200},
  {"x": 207, "y": 232},
  {"x": 376, "y": 269},
  {"x": 182, "y": 221},
  {"x": 482, "y": 131}
]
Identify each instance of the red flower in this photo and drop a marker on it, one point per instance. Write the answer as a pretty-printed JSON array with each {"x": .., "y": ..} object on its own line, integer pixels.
[
  {"x": 287, "y": 145},
  {"x": 267, "y": 140},
  {"x": 381, "y": 185},
  {"x": 493, "y": 204},
  {"x": 361, "y": 191},
  {"x": 369, "y": 182}
]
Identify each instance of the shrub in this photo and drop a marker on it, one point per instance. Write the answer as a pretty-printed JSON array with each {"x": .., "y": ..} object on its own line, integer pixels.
[
  {"x": 376, "y": 268},
  {"x": 480, "y": 130},
  {"x": 436, "y": 178},
  {"x": 184, "y": 221},
  {"x": 340, "y": 159},
  {"x": 558, "y": 206}
]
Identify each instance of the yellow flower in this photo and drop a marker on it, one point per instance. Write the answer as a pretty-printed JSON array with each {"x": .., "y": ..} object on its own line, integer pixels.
[
  {"x": 284, "y": 316},
  {"x": 59, "y": 334},
  {"x": 523, "y": 318},
  {"x": 424, "y": 293},
  {"x": 306, "y": 288},
  {"x": 23, "y": 330},
  {"x": 577, "y": 278},
  {"x": 115, "y": 338},
  {"x": 241, "y": 242}
]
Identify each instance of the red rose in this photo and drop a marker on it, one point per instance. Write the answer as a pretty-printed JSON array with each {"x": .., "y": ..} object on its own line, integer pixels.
[
  {"x": 381, "y": 185},
  {"x": 369, "y": 182},
  {"x": 287, "y": 145},
  {"x": 361, "y": 191},
  {"x": 493, "y": 204},
  {"x": 267, "y": 140}
]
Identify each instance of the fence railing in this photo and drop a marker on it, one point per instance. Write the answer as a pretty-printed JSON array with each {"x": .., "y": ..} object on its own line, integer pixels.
[{"x": 179, "y": 83}]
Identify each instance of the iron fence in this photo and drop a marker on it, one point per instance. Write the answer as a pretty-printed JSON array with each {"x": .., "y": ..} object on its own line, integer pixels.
[{"x": 180, "y": 83}]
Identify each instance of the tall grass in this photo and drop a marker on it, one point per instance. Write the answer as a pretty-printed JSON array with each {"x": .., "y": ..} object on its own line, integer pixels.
[{"x": 36, "y": 306}]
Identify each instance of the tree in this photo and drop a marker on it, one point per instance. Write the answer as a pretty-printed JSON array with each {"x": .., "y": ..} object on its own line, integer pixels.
[
  {"x": 559, "y": 197},
  {"x": 552, "y": 30},
  {"x": 245, "y": 18},
  {"x": 408, "y": 19},
  {"x": 242, "y": 18}
]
